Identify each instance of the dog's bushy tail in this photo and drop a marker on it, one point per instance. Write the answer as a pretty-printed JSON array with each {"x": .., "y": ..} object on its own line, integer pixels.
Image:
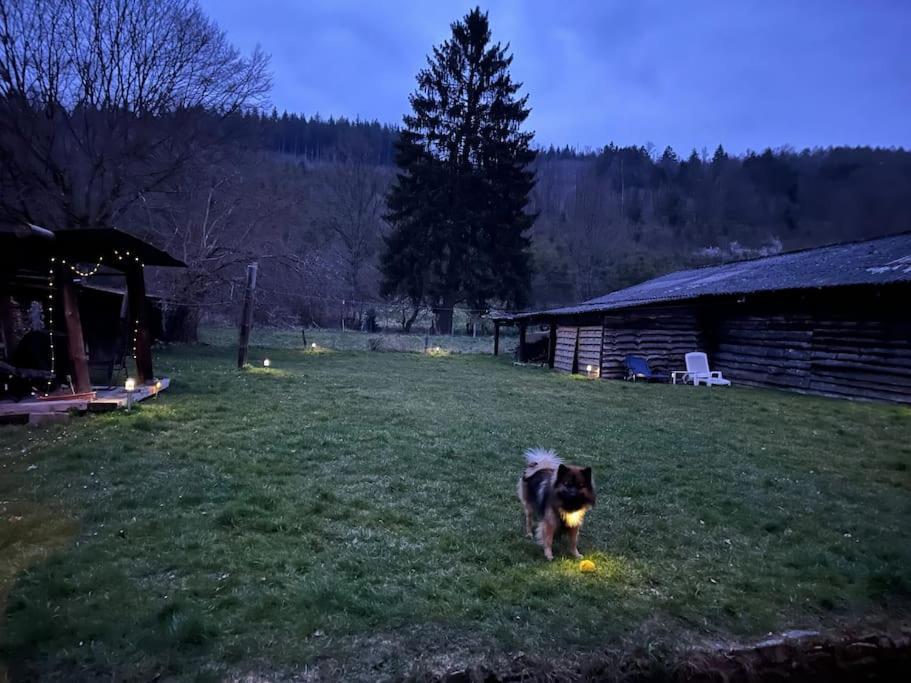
[{"x": 540, "y": 459}]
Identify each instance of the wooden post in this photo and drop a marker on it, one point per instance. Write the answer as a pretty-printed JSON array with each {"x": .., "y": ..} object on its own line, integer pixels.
[
  {"x": 7, "y": 331},
  {"x": 552, "y": 344},
  {"x": 138, "y": 327},
  {"x": 303, "y": 323},
  {"x": 75, "y": 343},
  {"x": 496, "y": 337},
  {"x": 246, "y": 316},
  {"x": 523, "y": 325}
]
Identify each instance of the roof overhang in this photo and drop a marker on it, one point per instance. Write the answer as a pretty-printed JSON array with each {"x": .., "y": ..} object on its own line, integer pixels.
[{"x": 24, "y": 244}]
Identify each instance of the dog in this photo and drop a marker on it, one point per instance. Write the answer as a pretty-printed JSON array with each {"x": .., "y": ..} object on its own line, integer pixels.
[{"x": 557, "y": 495}]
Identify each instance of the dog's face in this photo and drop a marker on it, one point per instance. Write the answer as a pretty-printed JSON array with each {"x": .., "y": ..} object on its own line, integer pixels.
[{"x": 574, "y": 487}]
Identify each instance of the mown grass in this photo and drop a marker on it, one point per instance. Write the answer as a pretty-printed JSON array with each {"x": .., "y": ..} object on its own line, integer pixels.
[
  {"x": 291, "y": 338},
  {"x": 353, "y": 514}
]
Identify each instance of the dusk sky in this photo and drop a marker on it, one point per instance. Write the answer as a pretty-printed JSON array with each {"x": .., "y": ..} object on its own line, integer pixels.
[{"x": 747, "y": 74}]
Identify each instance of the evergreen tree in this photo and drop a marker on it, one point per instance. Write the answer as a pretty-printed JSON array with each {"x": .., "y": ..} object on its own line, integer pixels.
[
  {"x": 458, "y": 205},
  {"x": 719, "y": 159}
]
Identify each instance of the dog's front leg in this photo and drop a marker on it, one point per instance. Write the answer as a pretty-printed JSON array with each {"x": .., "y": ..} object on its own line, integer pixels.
[
  {"x": 548, "y": 528},
  {"x": 573, "y": 538}
]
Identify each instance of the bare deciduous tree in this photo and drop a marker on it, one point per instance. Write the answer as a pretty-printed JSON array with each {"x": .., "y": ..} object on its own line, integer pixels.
[
  {"x": 228, "y": 207},
  {"x": 354, "y": 202},
  {"x": 100, "y": 102}
]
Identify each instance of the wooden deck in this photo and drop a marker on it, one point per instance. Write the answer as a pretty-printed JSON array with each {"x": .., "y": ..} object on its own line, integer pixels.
[{"x": 36, "y": 411}]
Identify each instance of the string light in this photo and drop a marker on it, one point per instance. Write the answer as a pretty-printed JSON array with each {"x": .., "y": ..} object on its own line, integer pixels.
[
  {"x": 84, "y": 274},
  {"x": 50, "y": 323}
]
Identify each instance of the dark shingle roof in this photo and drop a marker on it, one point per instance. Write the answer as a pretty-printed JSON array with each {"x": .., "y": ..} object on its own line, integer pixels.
[
  {"x": 872, "y": 262},
  {"x": 19, "y": 246}
]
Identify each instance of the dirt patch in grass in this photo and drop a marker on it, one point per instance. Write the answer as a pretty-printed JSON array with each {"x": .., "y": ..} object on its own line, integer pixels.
[{"x": 811, "y": 658}]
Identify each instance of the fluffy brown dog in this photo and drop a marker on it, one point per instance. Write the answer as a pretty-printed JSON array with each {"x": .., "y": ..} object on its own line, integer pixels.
[{"x": 557, "y": 495}]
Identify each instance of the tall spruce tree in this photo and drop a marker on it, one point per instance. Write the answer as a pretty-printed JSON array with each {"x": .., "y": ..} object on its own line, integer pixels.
[{"x": 458, "y": 205}]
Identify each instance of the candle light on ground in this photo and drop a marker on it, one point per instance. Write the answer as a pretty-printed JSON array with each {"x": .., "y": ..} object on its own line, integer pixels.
[{"x": 130, "y": 386}]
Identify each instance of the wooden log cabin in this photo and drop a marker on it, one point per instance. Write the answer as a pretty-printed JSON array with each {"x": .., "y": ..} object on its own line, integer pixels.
[{"x": 834, "y": 321}]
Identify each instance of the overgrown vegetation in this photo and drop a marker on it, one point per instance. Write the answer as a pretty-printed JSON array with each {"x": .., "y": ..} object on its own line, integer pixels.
[{"x": 354, "y": 514}]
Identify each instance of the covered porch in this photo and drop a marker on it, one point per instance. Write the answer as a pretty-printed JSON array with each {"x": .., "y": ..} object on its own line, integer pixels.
[{"x": 73, "y": 302}]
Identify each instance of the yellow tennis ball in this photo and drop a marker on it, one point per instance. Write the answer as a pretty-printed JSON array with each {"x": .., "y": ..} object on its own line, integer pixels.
[{"x": 586, "y": 566}]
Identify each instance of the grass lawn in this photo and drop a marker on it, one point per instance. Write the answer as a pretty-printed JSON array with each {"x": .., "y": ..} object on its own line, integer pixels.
[
  {"x": 359, "y": 341},
  {"x": 353, "y": 514}
]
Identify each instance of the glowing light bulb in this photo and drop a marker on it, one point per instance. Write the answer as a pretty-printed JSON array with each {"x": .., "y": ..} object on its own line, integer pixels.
[
  {"x": 313, "y": 345},
  {"x": 267, "y": 363},
  {"x": 130, "y": 384}
]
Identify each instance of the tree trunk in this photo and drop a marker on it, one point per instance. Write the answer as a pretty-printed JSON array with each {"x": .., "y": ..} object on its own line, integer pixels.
[
  {"x": 414, "y": 316},
  {"x": 444, "y": 316}
]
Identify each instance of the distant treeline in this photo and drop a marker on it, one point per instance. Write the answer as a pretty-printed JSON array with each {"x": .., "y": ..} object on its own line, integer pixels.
[
  {"x": 830, "y": 193},
  {"x": 319, "y": 139},
  {"x": 613, "y": 216}
]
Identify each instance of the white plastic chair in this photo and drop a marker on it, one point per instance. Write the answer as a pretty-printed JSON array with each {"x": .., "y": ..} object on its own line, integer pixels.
[{"x": 697, "y": 369}]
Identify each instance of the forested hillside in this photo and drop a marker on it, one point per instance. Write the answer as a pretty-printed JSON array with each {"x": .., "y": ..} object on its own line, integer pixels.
[
  {"x": 169, "y": 139},
  {"x": 605, "y": 218}
]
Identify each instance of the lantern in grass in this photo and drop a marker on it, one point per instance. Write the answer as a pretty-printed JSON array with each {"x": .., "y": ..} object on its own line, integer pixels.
[
  {"x": 129, "y": 386},
  {"x": 267, "y": 363}
]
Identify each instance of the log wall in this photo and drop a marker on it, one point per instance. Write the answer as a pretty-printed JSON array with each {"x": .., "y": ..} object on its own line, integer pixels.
[
  {"x": 565, "y": 354},
  {"x": 589, "y": 351},
  {"x": 844, "y": 342},
  {"x": 662, "y": 335},
  {"x": 841, "y": 355}
]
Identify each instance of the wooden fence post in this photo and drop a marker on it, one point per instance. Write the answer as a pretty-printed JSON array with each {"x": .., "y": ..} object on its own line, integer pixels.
[
  {"x": 246, "y": 318},
  {"x": 496, "y": 337},
  {"x": 138, "y": 326},
  {"x": 551, "y": 344},
  {"x": 523, "y": 326},
  {"x": 75, "y": 342}
]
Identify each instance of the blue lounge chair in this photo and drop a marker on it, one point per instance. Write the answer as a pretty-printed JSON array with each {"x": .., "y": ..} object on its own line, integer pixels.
[{"x": 637, "y": 368}]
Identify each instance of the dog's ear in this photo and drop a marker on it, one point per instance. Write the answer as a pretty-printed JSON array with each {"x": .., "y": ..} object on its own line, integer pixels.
[
  {"x": 589, "y": 482},
  {"x": 562, "y": 471}
]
